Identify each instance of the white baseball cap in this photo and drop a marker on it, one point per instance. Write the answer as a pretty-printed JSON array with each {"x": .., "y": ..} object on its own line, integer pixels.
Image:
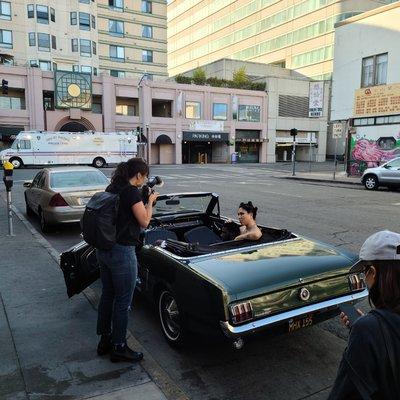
[{"x": 381, "y": 246}]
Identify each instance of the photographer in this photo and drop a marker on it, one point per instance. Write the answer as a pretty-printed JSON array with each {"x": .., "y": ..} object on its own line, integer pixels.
[
  {"x": 370, "y": 367},
  {"x": 118, "y": 266}
]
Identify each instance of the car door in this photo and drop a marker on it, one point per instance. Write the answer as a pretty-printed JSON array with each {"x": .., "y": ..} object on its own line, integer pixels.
[
  {"x": 391, "y": 173},
  {"x": 33, "y": 194}
]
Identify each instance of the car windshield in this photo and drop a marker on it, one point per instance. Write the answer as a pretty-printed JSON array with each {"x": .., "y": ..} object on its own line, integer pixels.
[
  {"x": 60, "y": 180},
  {"x": 182, "y": 204}
]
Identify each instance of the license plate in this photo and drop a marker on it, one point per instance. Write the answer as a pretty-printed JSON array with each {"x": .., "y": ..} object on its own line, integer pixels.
[{"x": 300, "y": 322}]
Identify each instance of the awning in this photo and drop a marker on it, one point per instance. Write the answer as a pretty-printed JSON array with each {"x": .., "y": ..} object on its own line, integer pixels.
[
  {"x": 163, "y": 139},
  {"x": 205, "y": 136}
]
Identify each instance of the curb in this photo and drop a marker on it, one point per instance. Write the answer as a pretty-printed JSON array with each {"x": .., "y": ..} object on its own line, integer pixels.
[
  {"x": 318, "y": 180},
  {"x": 157, "y": 374}
]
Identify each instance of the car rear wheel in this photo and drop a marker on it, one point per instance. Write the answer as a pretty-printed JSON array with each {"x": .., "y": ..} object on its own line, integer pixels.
[
  {"x": 99, "y": 162},
  {"x": 371, "y": 182},
  {"x": 16, "y": 162},
  {"x": 171, "y": 319},
  {"x": 44, "y": 226}
]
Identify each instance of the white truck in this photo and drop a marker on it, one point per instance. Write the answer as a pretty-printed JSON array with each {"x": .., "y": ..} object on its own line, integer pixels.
[{"x": 52, "y": 148}]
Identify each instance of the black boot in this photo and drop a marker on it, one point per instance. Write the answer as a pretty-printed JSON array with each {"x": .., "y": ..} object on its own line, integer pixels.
[
  {"x": 124, "y": 353},
  {"x": 105, "y": 345}
]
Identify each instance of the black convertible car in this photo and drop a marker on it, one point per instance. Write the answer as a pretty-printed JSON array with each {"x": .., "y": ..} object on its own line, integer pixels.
[{"x": 203, "y": 284}]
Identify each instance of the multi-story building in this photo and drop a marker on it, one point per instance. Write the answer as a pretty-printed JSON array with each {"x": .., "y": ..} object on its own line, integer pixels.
[
  {"x": 366, "y": 87},
  {"x": 119, "y": 37},
  {"x": 296, "y": 34}
]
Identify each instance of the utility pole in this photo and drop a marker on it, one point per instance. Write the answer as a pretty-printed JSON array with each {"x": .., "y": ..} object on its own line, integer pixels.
[{"x": 293, "y": 132}]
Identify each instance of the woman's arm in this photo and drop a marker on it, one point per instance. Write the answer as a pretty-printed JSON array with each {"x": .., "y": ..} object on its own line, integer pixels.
[
  {"x": 252, "y": 235},
  {"x": 143, "y": 212}
]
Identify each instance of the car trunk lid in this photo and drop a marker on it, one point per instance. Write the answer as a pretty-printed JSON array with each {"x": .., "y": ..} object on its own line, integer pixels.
[{"x": 77, "y": 197}]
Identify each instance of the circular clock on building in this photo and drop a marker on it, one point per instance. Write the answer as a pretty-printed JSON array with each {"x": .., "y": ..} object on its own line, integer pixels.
[{"x": 73, "y": 90}]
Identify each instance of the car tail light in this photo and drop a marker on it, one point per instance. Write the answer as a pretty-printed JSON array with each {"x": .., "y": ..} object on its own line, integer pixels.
[
  {"x": 357, "y": 281},
  {"x": 58, "y": 201},
  {"x": 242, "y": 312}
]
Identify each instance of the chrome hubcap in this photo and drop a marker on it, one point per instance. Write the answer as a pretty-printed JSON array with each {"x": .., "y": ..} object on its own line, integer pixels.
[
  {"x": 370, "y": 183},
  {"x": 169, "y": 315}
]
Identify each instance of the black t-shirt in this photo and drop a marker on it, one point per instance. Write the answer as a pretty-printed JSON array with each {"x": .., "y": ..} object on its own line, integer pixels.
[{"x": 128, "y": 228}]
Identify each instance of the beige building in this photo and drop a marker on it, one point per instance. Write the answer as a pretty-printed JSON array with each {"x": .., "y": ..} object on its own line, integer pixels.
[
  {"x": 296, "y": 34},
  {"x": 125, "y": 38}
]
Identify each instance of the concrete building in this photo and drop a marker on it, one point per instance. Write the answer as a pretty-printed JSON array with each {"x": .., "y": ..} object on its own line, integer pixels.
[
  {"x": 120, "y": 37},
  {"x": 183, "y": 123},
  {"x": 296, "y": 34},
  {"x": 366, "y": 87},
  {"x": 288, "y": 107}
]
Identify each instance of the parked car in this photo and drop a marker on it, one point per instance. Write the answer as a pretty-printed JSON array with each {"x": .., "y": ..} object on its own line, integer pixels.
[
  {"x": 387, "y": 174},
  {"x": 59, "y": 195},
  {"x": 199, "y": 283}
]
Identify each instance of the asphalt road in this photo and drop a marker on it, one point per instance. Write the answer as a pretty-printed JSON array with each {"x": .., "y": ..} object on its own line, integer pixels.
[{"x": 301, "y": 365}]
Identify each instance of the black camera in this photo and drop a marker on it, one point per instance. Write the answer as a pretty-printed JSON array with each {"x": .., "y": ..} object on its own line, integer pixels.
[{"x": 147, "y": 189}]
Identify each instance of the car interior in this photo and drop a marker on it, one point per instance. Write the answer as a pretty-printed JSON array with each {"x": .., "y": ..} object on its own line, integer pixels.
[{"x": 193, "y": 235}]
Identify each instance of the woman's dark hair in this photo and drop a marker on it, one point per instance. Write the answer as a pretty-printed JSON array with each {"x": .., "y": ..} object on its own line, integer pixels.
[
  {"x": 385, "y": 292},
  {"x": 126, "y": 170},
  {"x": 249, "y": 208}
]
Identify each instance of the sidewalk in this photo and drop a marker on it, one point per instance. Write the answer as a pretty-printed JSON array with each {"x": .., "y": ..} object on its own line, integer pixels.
[
  {"x": 340, "y": 177},
  {"x": 48, "y": 342}
]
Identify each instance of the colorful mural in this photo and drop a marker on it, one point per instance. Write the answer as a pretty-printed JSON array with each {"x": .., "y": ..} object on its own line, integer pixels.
[{"x": 372, "y": 146}]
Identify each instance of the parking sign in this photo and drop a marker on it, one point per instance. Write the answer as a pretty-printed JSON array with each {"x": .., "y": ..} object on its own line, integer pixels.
[{"x": 337, "y": 130}]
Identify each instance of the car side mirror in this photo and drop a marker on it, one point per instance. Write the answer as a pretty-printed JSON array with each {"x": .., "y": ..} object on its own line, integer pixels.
[{"x": 27, "y": 184}]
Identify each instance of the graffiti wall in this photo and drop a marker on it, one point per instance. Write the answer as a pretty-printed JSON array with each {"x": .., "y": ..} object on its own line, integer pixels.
[{"x": 372, "y": 146}]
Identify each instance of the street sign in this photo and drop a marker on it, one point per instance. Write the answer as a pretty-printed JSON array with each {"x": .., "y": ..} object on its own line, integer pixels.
[{"x": 337, "y": 130}]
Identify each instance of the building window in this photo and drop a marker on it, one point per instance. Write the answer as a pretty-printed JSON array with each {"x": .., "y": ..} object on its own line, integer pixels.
[
  {"x": 74, "y": 45},
  {"x": 73, "y": 18},
  {"x": 6, "y": 39},
  {"x": 45, "y": 65},
  {"x": 117, "y": 74},
  {"x": 42, "y": 14},
  {"x": 374, "y": 70},
  {"x": 147, "y": 7},
  {"x": 52, "y": 14},
  {"x": 53, "y": 42},
  {"x": 94, "y": 71},
  {"x": 75, "y": 68},
  {"x": 193, "y": 109},
  {"x": 31, "y": 11},
  {"x": 84, "y": 21},
  {"x": 87, "y": 69},
  {"x": 124, "y": 109},
  {"x": 43, "y": 41},
  {"x": 5, "y": 10},
  {"x": 147, "y": 31},
  {"x": 12, "y": 103},
  {"x": 220, "y": 111},
  {"x": 84, "y": 1},
  {"x": 93, "y": 22},
  {"x": 147, "y": 56},
  {"x": 117, "y": 4},
  {"x": 94, "y": 48},
  {"x": 85, "y": 46},
  {"x": 54, "y": 66},
  {"x": 249, "y": 113},
  {"x": 117, "y": 53},
  {"x": 32, "y": 39},
  {"x": 116, "y": 28}
]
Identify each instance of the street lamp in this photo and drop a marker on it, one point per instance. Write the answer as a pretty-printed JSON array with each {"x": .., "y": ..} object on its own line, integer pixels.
[{"x": 145, "y": 126}]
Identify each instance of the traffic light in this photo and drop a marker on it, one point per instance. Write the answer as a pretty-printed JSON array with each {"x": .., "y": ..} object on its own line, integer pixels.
[
  {"x": 293, "y": 132},
  {"x": 4, "y": 86}
]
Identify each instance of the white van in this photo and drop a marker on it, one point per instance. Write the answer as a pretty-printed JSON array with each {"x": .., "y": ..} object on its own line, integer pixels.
[{"x": 52, "y": 148}]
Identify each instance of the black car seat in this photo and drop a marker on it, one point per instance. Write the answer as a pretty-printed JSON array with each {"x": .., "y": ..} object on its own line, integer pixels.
[
  {"x": 151, "y": 237},
  {"x": 202, "y": 235}
]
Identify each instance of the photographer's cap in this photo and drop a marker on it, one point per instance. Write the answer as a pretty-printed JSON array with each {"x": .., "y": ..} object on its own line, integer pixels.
[{"x": 381, "y": 246}]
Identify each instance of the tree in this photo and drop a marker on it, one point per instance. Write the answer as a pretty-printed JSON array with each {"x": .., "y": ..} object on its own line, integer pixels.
[
  {"x": 240, "y": 76},
  {"x": 199, "y": 76}
]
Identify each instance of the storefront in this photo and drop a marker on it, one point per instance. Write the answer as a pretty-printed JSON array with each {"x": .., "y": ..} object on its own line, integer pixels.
[
  {"x": 205, "y": 147},
  {"x": 247, "y": 146},
  {"x": 8, "y": 134},
  {"x": 306, "y": 145}
]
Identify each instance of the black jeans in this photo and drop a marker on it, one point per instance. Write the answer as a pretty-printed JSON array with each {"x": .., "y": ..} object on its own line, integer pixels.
[{"x": 118, "y": 273}]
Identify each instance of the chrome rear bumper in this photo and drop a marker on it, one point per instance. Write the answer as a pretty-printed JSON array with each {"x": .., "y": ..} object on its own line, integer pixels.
[{"x": 251, "y": 327}]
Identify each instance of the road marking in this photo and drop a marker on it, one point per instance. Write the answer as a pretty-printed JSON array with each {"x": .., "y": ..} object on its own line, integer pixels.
[{"x": 396, "y": 204}]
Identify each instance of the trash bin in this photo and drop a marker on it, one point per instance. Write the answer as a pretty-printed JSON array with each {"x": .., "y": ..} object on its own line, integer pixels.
[{"x": 234, "y": 157}]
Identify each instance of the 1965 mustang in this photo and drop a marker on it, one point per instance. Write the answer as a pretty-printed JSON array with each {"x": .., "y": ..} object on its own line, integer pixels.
[{"x": 201, "y": 283}]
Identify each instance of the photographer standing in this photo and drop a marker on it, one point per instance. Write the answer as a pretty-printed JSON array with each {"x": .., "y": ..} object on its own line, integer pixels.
[
  {"x": 118, "y": 266},
  {"x": 370, "y": 367}
]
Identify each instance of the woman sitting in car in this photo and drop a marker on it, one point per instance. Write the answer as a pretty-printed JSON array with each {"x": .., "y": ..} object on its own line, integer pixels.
[{"x": 249, "y": 230}]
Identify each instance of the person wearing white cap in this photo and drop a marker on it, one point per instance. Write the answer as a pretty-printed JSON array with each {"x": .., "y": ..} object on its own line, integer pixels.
[{"x": 370, "y": 367}]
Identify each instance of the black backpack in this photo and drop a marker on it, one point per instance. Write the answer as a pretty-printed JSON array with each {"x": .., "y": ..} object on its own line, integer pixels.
[{"x": 99, "y": 221}]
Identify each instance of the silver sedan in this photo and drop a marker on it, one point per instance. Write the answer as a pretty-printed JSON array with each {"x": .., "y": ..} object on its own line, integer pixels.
[{"x": 59, "y": 195}]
